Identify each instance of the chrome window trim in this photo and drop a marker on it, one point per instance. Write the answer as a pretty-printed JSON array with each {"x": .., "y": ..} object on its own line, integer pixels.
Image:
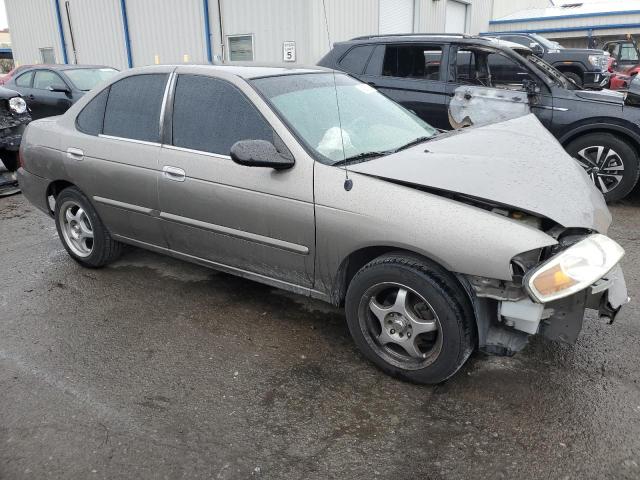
[
  {"x": 168, "y": 93},
  {"x": 197, "y": 152},
  {"x": 130, "y": 140}
]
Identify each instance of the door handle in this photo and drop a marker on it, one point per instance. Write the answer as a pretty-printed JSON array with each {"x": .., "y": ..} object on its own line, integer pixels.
[
  {"x": 31, "y": 97},
  {"x": 75, "y": 153},
  {"x": 173, "y": 173}
]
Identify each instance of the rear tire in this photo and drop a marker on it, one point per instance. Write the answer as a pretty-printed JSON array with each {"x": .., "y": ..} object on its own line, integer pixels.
[
  {"x": 610, "y": 161},
  {"x": 81, "y": 231},
  {"x": 10, "y": 159},
  {"x": 411, "y": 318},
  {"x": 577, "y": 79}
]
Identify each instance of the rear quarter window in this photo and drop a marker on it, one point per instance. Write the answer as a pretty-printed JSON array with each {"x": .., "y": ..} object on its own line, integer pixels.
[
  {"x": 91, "y": 118},
  {"x": 356, "y": 59}
]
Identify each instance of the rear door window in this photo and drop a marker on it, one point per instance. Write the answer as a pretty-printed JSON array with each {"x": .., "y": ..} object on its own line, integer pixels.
[
  {"x": 413, "y": 61},
  {"x": 210, "y": 115},
  {"x": 356, "y": 59},
  {"x": 133, "y": 107},
  {"x": 24, "y": 80}
]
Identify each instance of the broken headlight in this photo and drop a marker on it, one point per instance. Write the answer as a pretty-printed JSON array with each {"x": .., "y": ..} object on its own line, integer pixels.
[
  {"x": 573, "y": 269},
  {"x": 17, "y": 105}
]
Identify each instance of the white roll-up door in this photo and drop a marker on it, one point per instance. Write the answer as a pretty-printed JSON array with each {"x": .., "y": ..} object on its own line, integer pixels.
[
  {"x": 396, "y": 16},
  {"x": 456, "y": 17}
]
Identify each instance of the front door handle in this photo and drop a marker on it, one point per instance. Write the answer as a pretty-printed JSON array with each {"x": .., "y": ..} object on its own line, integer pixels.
[
  {"x": 173, "y": 173},
  {"x": 75, "y": 153}
]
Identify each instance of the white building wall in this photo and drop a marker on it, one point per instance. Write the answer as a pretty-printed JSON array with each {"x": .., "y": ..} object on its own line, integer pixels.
[
  {"x": 33, "y": 26},
  {"x": 166, "y": 28},
  {"x": 173, "y": 31},
  {"x": 98, "y": 32}
]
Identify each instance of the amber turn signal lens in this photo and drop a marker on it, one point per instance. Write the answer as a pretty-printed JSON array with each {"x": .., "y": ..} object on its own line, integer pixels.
[{"x": 552, "y": 281}]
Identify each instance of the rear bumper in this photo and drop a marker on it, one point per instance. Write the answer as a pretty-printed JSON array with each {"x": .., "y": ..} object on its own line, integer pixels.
[{"x": 34, "y": 189}]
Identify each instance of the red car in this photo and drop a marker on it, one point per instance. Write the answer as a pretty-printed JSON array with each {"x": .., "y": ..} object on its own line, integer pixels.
[{"x": 624, "y": 62}]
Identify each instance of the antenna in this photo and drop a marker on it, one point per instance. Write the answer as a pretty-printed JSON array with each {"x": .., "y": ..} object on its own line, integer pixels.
[{"x": 348, "y": 183}]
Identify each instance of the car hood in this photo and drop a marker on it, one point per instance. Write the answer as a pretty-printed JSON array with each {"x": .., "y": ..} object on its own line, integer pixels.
[
  {"x": 7, "y": 93},
  {"x": 516, "y": 163}
]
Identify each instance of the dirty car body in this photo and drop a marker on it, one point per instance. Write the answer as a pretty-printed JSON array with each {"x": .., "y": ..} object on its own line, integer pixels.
[{"x": 436, "y": 244}]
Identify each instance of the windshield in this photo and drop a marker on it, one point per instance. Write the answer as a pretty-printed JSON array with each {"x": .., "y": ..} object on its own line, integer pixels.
[
  {"x": 87, "y": 78},
  {"x": 368, "y": 124},
  {"x": 546, "y": 42}
]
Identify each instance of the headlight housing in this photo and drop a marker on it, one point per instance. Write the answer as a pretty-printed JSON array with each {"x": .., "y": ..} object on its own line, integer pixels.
[
  {"x": 17, "y": 105},
  {"x": 574, "y": 269},
  {"x": 599, "y": 61}
]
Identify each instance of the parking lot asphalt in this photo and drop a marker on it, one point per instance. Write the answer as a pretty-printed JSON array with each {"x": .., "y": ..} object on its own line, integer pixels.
[{"x": 155, "y": 368}]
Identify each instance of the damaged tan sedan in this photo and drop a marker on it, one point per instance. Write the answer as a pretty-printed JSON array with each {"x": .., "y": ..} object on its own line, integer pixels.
[{"x": 310, "y": 181}]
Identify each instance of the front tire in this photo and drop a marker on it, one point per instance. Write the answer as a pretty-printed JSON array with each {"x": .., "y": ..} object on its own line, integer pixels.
[
  {"x": 410, "y": 318},
  {"x": 611, "y": 163},
  {"x": 577, "y": 79},
  {"x": 81, "y": 231}
]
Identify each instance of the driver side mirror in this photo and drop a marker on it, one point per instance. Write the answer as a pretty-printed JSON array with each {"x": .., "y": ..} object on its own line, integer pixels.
[
  {"x": 259, "y": 153},
  {"x": 58, "y": 87},
  {"x": 536, "y": 48}
]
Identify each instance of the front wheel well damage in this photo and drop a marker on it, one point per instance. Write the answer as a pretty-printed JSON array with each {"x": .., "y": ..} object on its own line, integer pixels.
[{"x": 359, "y": 258}]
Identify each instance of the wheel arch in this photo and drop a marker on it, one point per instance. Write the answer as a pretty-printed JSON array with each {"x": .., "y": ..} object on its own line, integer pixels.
[
  {"x": 357, "y": 259},
  {"x": 53, "y": 190},
  {"x": 617, "y": 130}
]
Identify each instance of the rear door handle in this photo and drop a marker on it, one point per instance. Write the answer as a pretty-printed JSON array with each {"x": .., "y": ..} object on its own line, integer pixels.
[
  {"x": 173, "y": 173},
  {"x": 75, "y": 153},
  {"x": 31, "y": 97}
]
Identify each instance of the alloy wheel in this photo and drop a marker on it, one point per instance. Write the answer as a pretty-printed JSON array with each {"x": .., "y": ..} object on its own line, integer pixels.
[
  {"x": 400, "y": 326},
  {"x": 603, "y": 164},
  {"x": 76, "y": 228}
]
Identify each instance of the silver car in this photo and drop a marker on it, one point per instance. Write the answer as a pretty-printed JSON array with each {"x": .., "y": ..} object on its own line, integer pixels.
[{"x": 311, "y": 181}]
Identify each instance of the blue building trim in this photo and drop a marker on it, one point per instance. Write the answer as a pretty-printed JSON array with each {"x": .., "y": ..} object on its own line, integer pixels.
[
  {"x": 613, "y": 26},
  {"x": 125, "y": 25},
  {"x": 61, "y": 33},
  {"x": 207, "y": 30},
  {"x": 563, "y": 17}
]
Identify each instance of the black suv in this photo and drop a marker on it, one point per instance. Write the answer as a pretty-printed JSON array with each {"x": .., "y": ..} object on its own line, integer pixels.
[
  {"x": 428, "y": 74},
  {"x": 587, "y": 68}
]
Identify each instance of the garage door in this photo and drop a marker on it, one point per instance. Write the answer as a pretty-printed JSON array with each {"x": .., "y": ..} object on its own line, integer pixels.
[
  {"x": 456, "y": 19},
  {"x": 396, "y": 16}
]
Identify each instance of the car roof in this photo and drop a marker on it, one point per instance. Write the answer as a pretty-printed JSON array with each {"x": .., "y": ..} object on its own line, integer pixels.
[
  {"x": 438, "y": 38},
  {"x": 63, "y": 67},
  {"x": 244, "y": 70}
]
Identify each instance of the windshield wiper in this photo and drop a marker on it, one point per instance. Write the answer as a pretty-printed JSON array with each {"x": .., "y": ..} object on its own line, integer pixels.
[
  {"x": 412, "y": 143},
  {"x": 361, "y": 157}
]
